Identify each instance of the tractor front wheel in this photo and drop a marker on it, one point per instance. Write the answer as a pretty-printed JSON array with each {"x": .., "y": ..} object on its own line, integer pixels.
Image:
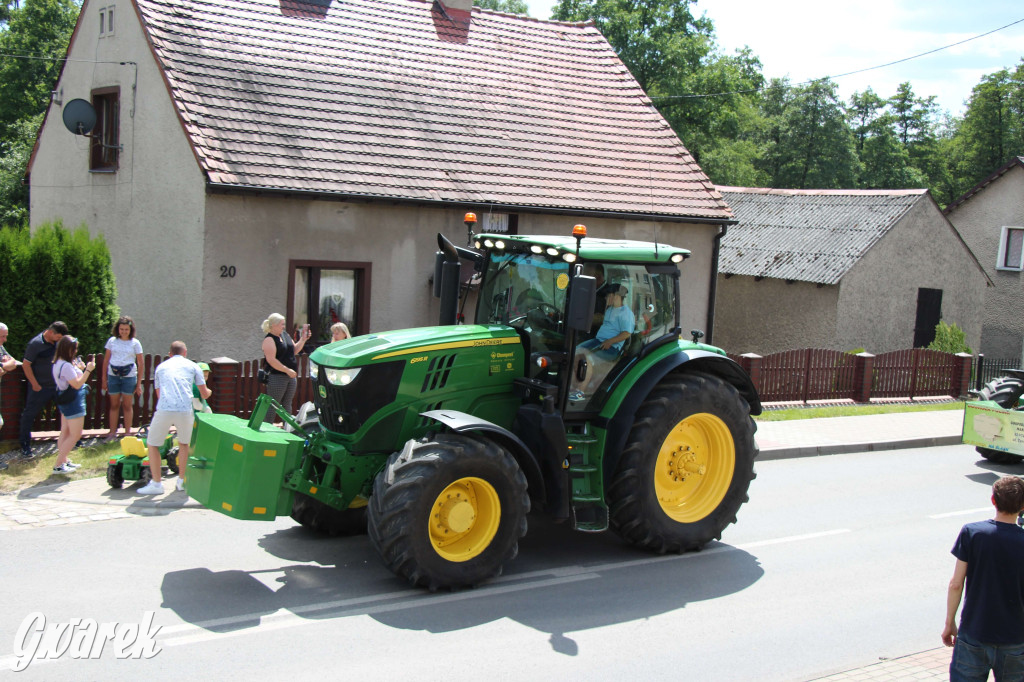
[
  {"x": 686, "y": 467},
  {"x": 314, "y": 514},
  {"x": 448, "y": 513},
  {"x": 115, "y": 479}
]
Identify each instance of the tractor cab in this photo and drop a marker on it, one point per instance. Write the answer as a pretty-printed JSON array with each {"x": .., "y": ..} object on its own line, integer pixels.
[{"x": 586, "y": 309}]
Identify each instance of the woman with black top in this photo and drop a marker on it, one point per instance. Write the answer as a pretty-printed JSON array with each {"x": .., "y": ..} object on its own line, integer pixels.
[{"x": 280, "y": 353}]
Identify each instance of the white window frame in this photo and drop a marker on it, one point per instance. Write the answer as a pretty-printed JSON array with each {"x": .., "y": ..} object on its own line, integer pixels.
[
  {"x": 107, "y": 21},
  {"x": 1004, "y": 236}
]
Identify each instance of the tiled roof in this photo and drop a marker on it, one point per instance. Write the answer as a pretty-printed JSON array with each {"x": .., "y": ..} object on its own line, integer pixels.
[
  {"x": 405, "y": 100},
  {"x": 807, "y": 235}
]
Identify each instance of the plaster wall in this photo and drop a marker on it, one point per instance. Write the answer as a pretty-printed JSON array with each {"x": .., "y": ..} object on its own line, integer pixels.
[
  {"x": 771, "y": 316},
  {"x": 260, "y": 235},
  {"x": 878, "y": 296},
  {"x": 980, "y": 220},
  {"x": 150, "y": 210}
]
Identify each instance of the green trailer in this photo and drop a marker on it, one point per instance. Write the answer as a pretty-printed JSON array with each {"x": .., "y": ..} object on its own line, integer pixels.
[{"x": 439, "y": 441}]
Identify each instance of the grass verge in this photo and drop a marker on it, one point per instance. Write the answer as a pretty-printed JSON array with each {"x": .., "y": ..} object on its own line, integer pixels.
[{"x": 39, "y": 471}]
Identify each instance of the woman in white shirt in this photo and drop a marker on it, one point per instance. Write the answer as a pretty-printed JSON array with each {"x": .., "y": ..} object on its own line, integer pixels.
[{"x": 121, "y": 380}]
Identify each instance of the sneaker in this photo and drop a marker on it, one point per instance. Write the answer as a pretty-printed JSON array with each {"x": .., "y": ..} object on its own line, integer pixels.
[
  {"x": 180, "y": 484},
  {"x": 152, "y": 488},
  {"x": 72, "y": 465},
  {"x": 63, "y": 469},
  {"x": 576, "y": 396}
]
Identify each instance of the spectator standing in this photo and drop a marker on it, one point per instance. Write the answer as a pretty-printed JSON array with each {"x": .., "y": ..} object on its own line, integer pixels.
[
  {"x": 280, "y": 353},
  {"x": 990, "y": 558},
  {"x": 38, "y": 368},
  {"x": 340, "y": 332},
  {"x": 173, "y": 380},
  {"x": 69, "y": 374},
  {"x": 7, "y": 364},
  {"x": 121, "y": 380}
]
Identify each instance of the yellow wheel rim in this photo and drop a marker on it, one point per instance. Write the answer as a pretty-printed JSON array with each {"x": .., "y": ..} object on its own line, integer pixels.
[
  {"x": 464, "y": 519},
  {"x": 694, "y": 468}
]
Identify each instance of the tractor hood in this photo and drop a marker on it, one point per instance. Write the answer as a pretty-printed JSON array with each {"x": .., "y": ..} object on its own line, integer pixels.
[{"x": 409, "y": 343}]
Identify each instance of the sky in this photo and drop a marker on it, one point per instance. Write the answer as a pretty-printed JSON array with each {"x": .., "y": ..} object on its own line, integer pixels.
[{"x": 807, "y": 39}]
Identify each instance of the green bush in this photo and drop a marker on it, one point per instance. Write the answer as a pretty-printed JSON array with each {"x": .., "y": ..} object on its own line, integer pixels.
[
  {"x": 53, "y": 274},
  {"x": 949, "y": 338}
]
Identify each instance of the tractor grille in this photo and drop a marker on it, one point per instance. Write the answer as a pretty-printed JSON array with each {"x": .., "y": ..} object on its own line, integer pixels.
[
  {"x": 344, "y": 409},
  {"x": 437, "y": 372}
]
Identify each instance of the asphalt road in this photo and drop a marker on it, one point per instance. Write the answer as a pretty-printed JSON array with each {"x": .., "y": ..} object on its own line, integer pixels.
[{"x": 836, "y": 562}]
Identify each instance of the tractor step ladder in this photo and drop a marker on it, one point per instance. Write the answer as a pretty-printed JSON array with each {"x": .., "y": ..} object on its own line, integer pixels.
[{"x": 589, "y": 512}]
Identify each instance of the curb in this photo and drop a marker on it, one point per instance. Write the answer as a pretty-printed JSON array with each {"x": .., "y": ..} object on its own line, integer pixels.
[
  {"x": 847, "y": 448},
  {"x": 168, "y": 500}
]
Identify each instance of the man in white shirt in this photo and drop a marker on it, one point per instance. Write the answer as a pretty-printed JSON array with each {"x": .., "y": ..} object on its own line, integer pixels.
[{"x": 173, "y": 380}]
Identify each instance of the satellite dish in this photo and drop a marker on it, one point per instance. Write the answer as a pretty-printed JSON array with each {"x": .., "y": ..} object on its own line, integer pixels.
[{"x": 79, "y": 117}]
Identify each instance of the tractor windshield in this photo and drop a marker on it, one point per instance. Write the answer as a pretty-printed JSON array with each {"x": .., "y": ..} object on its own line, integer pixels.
[{"x": 527, "y": 291}]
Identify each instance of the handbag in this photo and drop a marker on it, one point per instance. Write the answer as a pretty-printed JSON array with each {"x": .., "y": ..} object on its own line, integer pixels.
[
  {"x": 66, "y": 396},
  {"x": 263, "y": 375},
  {"x": 121, "y": 370}
]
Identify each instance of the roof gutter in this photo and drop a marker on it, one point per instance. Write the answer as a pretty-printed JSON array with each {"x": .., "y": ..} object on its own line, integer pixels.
[
  {"x": 222, "y": 188},
  {"x": 713, "y": 288}
]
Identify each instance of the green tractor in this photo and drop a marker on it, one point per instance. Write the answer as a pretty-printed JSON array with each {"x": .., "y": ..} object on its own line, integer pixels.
[{"x": 439, "y": 441}]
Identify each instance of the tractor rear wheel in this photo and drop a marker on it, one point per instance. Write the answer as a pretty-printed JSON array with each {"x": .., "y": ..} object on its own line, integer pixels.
[
  {"x": 449, "y": 512},
  {"x": 686, "y": 466},
  {"x": 1005, "y": 391},
  {"x": 171, "y": 460}
]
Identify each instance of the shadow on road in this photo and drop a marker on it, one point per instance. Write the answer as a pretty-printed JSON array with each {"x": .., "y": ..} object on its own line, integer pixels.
[{"x": 562, "y": 581}]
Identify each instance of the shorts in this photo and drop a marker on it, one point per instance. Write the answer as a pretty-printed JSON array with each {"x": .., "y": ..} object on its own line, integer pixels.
[
  {"x": 75, "y": 409},
  {"x": 162, "y": 422},
  {"x": 121, "y": 385}
]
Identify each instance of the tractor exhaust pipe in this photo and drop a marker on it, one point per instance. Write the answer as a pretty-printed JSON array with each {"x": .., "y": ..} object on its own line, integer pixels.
[{"x": 447, "y": 269}]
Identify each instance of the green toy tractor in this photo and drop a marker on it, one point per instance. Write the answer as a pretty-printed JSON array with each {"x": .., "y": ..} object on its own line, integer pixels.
[
  {"x": 440, "y": 441},
  {"x": 133, "y": 462}
]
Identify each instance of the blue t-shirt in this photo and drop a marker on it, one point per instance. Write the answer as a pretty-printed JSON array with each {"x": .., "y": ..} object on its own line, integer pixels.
[
  {"x": 994, "y": 605},
  {"x": 616, "y": 321},
  {"x": 39, "y": 354}
]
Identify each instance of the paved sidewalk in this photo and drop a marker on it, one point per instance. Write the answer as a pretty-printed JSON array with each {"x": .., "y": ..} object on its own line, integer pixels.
[{"x": 92, "y": 500}]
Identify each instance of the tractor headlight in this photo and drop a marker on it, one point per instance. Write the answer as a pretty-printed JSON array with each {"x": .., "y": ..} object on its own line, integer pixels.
[
  {"x": 314, "y": 370},
  {"x": 341, "y": 377}
]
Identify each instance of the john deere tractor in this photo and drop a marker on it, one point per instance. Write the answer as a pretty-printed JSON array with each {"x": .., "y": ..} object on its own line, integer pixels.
[{"x": 439, "y": 441}]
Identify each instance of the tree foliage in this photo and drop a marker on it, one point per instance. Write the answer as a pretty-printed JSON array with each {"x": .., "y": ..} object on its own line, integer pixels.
[
  {"x": 56, "y": 274},
  {"x": 510, "y": 6},
  {"x": 950, "y": 338}
]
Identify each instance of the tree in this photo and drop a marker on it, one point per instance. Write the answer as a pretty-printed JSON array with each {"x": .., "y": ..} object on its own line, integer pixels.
[
  {"x": 993, "y": 126},
  {"x": 14, "y": 154},
  {"x": 510, "y": 6},
  {"x": 74, "y": 272},
  {"x": 865, "y": 115},
  {"x": 810, "y": 143},
  {"x": 887, "y": 164}
]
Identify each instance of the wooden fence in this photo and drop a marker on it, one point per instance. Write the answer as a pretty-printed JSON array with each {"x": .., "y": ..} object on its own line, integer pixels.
[
  {"x": 819, "y": 374},
  {"x": 809, "y": 374}
]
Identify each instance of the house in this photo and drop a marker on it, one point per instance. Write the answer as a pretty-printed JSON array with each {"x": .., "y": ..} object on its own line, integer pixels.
[
  {"x": 300, "y": 156},
  {"x": 991, "y": 218},
  {"x": 842, "y": 270}
]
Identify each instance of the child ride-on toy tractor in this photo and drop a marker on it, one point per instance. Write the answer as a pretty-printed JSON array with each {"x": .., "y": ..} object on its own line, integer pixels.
[{"x": 133, "y": 463}]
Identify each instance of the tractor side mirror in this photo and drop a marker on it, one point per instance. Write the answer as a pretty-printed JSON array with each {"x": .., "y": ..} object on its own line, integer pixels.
[{"x": 582, "y": 299}]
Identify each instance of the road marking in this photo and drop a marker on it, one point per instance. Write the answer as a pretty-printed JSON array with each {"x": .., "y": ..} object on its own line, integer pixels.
[
  {"x": 795, "y": 538},
  {"x": 965, "y": 512}
]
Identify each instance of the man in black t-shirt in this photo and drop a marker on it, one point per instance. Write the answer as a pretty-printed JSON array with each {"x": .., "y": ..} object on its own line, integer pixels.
[
  {"x": 38, "y": 368},
  {"x": 990, "y": 558}
]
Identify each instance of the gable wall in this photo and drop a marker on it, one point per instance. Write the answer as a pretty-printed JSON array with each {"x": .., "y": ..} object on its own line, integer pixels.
[
  {"x": 771, "y": 316},
  {"x": 878, "y": 296},
  {"x": 260, "y": 235},
  {"x": 151, "y": 210},
  {"x": 980, "y": 220}
]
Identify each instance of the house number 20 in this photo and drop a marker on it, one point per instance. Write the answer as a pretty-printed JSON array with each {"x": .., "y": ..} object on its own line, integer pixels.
[{"x": 227, "y": 271}]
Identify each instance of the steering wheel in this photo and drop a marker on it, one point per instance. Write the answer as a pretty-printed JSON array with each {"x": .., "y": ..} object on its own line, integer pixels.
[{"x": 544, "y": 315}]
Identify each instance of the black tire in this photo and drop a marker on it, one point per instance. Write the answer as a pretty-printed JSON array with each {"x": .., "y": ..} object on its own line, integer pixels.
[
  {"x": 449, "y": 512},
  {"x": 114, "y": 477},
  {"x": 171, "y": 460},
  {"x": 686, "y": 466},
  {"x": 145, "y": 475},
  {"x": 316, "y": 515},
  {"x": 1005, "y": 391}
]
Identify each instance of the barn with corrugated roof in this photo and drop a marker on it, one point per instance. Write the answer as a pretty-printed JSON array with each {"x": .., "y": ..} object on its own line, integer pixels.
[
  {"x": 843, "y": 270},
  {"x": 300, "y": 156}
]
